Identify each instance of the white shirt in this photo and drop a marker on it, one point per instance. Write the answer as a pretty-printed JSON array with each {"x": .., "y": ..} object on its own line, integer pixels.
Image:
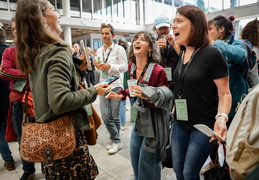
[{"x": 117, "y": 59}]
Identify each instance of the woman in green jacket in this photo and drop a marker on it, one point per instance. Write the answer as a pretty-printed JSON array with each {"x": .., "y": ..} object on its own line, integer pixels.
[{"x": 54, "y": 83}]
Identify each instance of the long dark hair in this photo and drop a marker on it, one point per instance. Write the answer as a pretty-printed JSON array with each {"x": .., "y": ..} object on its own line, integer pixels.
[
  {"x": 32, "y": 33},
  {"x": 155, "y": 53}
]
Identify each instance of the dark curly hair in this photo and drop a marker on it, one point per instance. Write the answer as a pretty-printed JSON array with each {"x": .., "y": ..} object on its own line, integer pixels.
[{"x": 251, "y": 32}]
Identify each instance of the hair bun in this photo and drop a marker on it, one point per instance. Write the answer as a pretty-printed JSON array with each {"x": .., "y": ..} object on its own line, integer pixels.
[{"x": 231, "y": 18}]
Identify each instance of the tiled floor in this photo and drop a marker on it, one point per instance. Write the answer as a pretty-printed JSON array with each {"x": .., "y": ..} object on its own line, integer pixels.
[{"x": 111, "y": 167}]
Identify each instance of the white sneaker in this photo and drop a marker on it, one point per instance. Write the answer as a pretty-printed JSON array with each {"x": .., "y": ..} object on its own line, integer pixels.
[
  {"x": 108, "y": 145},
  {"x": 115, "y": 148},
  {"x": 123, "y": 127}
]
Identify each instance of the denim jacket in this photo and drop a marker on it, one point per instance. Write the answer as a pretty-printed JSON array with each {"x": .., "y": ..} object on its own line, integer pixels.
[{"x": 235, "y": 55}]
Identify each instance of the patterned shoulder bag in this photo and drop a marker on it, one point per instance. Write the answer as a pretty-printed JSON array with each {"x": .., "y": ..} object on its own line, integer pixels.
[{"x": 46, "y": 142}]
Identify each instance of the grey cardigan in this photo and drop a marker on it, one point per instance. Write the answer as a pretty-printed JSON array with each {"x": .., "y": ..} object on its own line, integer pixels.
[
  {"x": 54, "y": 85},
  {"x": 154, "y": 123}
]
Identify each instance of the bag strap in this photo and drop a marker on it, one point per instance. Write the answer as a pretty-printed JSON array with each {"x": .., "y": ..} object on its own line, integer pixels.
[
  {"x": 25, "y": 106},
  {"x": 245, "y": 45},
  {"x": 132, "y": 69},
  {"x": 225, "y": 163},
  {"x": 242, "y": 70},
  {"x": 148, "y": 72}
]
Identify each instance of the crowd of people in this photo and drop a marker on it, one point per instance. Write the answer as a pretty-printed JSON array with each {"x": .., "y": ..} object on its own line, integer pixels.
[{"x": 187, "y": 71}]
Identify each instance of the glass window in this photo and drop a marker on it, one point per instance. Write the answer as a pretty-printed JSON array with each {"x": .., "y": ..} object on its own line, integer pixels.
[
  {"x": 118, "y": 11},
  {"x": 59, "y": 4},
  {"x": 245, "y": 2},
  {"x": 203, "y": 4},
  {"x": 88, "y": 43},
  {"x": 178, "y": 3},
  {"x": 87, "y": 6},
  {"x": 75, "y": 5},
  {"x": 230, "y": 3},
  {"x": 215, "y": 5},
  {"x": 115, "y": 8},
  {"x": 130, "y": 11},
  {"x": 190, "y": 2},
  {"x": 52, "y": 2},
  {"x": 149, "y": 12},
  {"x": 97, "y": 6},
  {"x": 168, "y": 2},
  {"x": 13, "y": 5},
  {"x": 107, "y": 10},
  {"x": 158, "y": 9},
  {"x": 227, "y": 4},
  {"x": 97, "y": 43},
  {"x": 3, "y": 4},
  {"x": 108, "y": 7}
]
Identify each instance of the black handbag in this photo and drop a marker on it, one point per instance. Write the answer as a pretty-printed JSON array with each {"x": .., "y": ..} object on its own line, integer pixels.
[
  {"x": 167, "y": 161},
  {"x": 218, "y": 172}
]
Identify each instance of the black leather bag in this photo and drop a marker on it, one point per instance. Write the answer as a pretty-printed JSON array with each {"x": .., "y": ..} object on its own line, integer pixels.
[
  {"x": 167, "y": 161},
  {"x": 218, "y": 172},
  {"x": 168, "y": 158}
]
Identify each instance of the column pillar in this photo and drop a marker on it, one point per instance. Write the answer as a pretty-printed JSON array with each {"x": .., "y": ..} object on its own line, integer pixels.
[
  {"x": 67, "y": 29},
  {"x": 67, "y": 35},
  {"x": 141, "y": 12},
  {"x": 66, "y": 8}
]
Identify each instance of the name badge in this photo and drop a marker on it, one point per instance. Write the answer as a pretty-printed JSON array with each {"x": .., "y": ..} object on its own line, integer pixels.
[
  {"x": 19, "y": 85},
  {"x": 168, "y": 73},
  {"x": 181, "y": 109},
  {"x": 88, "y": 109}
]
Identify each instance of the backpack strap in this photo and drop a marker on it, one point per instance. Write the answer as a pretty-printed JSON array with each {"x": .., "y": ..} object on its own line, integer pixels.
[
  {"x": 243, "y": 70},
  {"x": 132, "y": 69},
  {"x": 148, "y": 72},
  {"x": 249, "y": 53}
]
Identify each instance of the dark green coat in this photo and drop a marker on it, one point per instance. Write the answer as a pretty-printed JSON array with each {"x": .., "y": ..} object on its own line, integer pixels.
[{"x": 54, "y": 85}]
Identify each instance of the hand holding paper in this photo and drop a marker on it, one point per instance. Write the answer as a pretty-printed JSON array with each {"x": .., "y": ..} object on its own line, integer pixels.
[{"x": 206, "y": 130}]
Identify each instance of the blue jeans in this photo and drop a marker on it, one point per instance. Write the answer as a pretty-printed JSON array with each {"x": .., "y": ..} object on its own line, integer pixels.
[
  {"x": 146, "y": 165},
  {"x": 110, "y": 114},
  {"x": 17, "y": 117},
  {"x": 123, "y": 112},
  {"x": 132, "y": 101},
  {"x": 190, "y": 149},
  {"x": 4, "y": 147}
]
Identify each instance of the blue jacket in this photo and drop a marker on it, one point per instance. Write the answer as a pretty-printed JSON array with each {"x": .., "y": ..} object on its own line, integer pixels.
[{"x": 235, "y": 55}]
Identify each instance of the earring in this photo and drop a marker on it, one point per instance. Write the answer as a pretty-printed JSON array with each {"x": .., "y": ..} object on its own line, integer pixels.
[{"x": 149, "y": 54}]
